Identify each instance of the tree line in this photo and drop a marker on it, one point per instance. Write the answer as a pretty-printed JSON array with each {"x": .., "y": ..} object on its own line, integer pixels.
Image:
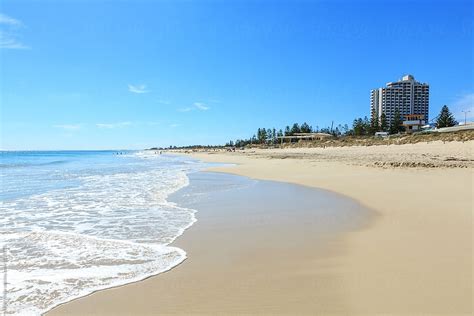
[
  {"x": 370, "y": 127},
  {"x": 360, "y": 127},
  {"x": 271, "y": 136}
]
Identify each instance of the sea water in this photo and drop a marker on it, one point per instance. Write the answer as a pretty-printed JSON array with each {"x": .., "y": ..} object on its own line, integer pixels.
[{"x": 74, "y": 222}]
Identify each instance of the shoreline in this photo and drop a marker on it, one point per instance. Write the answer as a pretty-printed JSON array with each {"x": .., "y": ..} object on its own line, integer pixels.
[
  {"x": 255, "y": 227},
  {"x": 415, "y": 258},
  {"x": 434, "y": 274}
]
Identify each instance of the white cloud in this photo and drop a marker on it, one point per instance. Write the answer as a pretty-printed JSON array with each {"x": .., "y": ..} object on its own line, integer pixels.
[
  {"x": 196, "y": 106},
  {"x": 9, "y": 29},
  {"x": 5, "y": 19},
  {"x": 201, "y": 106},
  {"x": 113, "y": 125},
  {"x": 165, "y": 102},
  {"x": 69, "y": 127},
  {"x": 9, "y": 42},
  {"x": 174, "y": 125},
  {"x": 138, "y": 88}
]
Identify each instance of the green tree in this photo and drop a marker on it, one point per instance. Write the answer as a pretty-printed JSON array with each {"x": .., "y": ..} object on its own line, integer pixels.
[
  {"x": 358, "y": 127},
  {"x": 295, "y": 129},
  {"x": 346, "y": 129},
  {"x": 445, "y": 118},
  {"x": 396, "y": 123},
  {"x": 366, "y": 123},
  {"x": 305, "y": 128},
  {"x": 287, "y": 131},
  {"x": 253, "y": 140},
  {"x": 383, "y": 123},
  {"x": 326, "y": 130},
  {"x": 374, "y": 124},
  {"x": 269, "y": 135},
  {"x": 262, "y": 135}
]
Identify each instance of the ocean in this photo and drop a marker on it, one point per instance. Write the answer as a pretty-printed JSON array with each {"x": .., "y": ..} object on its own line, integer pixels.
[{"x": 74, "y": 222}]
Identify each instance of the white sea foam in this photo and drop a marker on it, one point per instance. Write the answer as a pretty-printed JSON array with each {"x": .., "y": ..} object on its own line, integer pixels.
[{"x": 111, "y": 229}]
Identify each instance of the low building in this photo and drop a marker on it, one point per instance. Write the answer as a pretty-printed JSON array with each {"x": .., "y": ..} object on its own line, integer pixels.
[
  {"x": 305, "y": 136},
  {"x": 414, "y": 122},
  {"x": 312, "y": 136}
]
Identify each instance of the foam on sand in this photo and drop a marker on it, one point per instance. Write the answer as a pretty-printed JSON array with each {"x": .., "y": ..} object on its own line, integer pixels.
[{"x": 102, "y": 229}]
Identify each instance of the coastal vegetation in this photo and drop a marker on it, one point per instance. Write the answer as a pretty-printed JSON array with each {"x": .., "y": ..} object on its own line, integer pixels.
[
  {"x": 346, "y": 140},
  {"x": 445, "y": 118},
  {"x": 360, "y": 133},
  {"x": 360, "y": 127},
  {"x": 272, "y": 136}
]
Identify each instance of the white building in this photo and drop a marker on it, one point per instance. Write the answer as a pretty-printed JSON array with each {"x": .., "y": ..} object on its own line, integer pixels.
[{"x": 407, "y": 96}]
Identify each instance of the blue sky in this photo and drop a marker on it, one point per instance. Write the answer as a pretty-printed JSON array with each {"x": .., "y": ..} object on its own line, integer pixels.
[{"x": 134, "y": 74}]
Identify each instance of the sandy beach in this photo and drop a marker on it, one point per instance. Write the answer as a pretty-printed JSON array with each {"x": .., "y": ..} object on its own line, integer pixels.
[{"x": 413, "y": 257}]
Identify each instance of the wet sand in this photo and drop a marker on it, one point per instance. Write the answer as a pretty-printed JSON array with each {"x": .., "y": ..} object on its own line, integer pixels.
[
  {"x": 258, "y": 247},
  {"x": 413, "y": 258},
  {"x": 416, "y": 257}
]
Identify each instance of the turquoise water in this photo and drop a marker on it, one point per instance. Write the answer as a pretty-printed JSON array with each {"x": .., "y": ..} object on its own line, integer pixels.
[{"x": 74, "y": 222}]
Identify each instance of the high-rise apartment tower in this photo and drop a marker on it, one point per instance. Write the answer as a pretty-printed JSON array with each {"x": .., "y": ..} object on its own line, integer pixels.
[{"x": 407, "y": 96}]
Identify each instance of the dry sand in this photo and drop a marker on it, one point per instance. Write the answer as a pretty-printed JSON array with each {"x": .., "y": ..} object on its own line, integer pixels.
[{"x": 414, "y": 258}]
